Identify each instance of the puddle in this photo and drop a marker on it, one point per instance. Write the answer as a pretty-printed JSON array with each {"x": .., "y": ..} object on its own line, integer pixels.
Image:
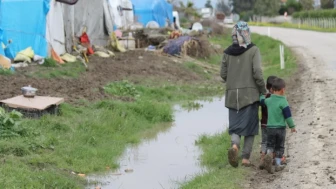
[{"x": 171, "y": 157}]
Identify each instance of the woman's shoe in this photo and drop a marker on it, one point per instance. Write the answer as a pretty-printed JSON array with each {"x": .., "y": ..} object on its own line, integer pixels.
[{"x": 233, "y": 157}]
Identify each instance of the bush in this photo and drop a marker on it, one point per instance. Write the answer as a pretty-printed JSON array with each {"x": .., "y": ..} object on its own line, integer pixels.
[
  {"x": 10, "y": 124},
  {"x": 331, "y": 13}
]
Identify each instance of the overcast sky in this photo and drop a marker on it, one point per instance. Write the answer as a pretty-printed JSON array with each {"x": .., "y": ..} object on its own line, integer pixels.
[{"x": 201, "y": 3}]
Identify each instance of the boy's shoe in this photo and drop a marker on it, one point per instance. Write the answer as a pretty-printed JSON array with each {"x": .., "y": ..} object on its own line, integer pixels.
[
  {"x": 268, "y": 163},
  {"x": 233, "y": 157},
  {"x": 279, "y": 168},
  {"x": 283, "y": 160}
]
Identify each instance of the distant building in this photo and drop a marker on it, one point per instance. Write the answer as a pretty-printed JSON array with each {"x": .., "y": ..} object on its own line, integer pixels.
[{"x": 207, "y": 13}]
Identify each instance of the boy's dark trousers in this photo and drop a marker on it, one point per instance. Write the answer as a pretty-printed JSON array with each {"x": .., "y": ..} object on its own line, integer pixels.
[{"x": 276, "y": 141}]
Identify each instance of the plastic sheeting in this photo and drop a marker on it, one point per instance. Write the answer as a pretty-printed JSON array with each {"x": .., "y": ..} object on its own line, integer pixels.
[
  {"x": 174, "y": 47},
  {"x": 55, "y": 27},
  {"x": 122, "y": 18},
  {"x": 24, "y": 22},
  {"x": 153, "y": 10},
  {"x": 90, "y": 15}
]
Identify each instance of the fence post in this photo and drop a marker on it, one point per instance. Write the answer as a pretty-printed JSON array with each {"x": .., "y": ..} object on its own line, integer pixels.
[{"x": 282, "y": 57}]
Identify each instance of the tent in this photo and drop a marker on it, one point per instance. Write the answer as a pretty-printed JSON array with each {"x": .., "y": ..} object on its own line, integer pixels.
[
  {"x": 122, "y": 13},
  {"x": 94, "y": 16},
  {"x": 24, "y": 23},
  {"x": 159, "y": 11},
  {"x": 55, "y": 28},
  {"x": 46, "y": 24}
]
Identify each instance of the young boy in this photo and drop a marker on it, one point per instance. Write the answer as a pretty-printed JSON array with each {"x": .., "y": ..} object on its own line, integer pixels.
[
  {"x": 278, "y": 115},
  {"x": 263, "y": 121}
]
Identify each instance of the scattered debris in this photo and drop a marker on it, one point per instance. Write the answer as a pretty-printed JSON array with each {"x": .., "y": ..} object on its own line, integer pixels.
[{"x": 129, "y": 170}]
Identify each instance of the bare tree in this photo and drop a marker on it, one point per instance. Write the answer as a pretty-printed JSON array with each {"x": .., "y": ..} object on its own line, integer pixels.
[{"x": 223, "y": 7}]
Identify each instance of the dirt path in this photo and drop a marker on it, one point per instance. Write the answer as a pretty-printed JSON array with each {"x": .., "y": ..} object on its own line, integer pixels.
[{"x": 312, "y": 95}]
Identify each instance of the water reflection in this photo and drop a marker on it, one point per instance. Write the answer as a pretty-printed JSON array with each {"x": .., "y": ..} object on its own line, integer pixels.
[{"x": 169, "y": 157}]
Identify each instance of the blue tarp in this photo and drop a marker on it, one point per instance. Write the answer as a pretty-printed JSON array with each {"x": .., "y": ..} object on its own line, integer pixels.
[
  {"x": 153, "y": 10},
  {"x": 24, "y": 23}
]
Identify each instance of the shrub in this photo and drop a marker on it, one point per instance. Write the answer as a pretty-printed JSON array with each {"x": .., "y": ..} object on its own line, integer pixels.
[
  {"x": 330, "y": 13},
  {"x": 10, "y": 124}
]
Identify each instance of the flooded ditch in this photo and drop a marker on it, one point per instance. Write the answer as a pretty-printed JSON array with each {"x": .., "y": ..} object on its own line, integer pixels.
[{"x": 171, "y": 157}]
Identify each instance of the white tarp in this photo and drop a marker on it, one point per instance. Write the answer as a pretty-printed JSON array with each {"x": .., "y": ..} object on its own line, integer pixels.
[
  {"x": 92, "y": 15},
  {"x": 55, "y": 28},
  {"x": 122, "y": 18}
]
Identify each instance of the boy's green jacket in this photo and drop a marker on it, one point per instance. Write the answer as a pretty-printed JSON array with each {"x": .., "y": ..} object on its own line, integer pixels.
[{"x": 278, "y": 110}]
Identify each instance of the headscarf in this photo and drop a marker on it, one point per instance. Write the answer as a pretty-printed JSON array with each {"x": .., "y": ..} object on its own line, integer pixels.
[
  {"x": 241, "y": 34},
  {"x": 241, "y": 39}
]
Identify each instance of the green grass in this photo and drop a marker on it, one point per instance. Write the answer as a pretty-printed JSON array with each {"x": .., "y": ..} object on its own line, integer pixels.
[
  {"x": 220, "y": 174},
  {"x": 6, "y": 71},
  {"x": 163, "y": 92},
  {"x": 197, "y": 69},
  {"x": 52, "y": 70},
  {"x": 294, "y": 26},
  {"x": 88, "y": 138}
]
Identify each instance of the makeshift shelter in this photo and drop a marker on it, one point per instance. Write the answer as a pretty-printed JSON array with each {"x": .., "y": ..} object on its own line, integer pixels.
[
  {"x": 23, "y": 22},
  {"x": 93, "y": 16},
  {"x": 159, "y": 11},
  {"x": 55, "y": 28},
  {"x": 122, "y": 13}
]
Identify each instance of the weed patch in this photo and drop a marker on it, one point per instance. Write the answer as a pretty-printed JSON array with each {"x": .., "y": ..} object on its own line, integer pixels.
[
  {"x": 50, "y": 70},
  {"x": 6, "y": 71}
]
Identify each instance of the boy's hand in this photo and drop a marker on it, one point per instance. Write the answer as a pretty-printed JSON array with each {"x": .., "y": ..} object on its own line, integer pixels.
[{"x": 293, "y": 130}]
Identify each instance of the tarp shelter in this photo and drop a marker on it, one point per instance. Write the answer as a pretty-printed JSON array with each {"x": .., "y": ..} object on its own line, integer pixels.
[
  {"x": 24, "y": 23},
  {"x": 94, "y": 16},
  {"x": 122, "y": 13},
  {"x": 159, "y": 11}
]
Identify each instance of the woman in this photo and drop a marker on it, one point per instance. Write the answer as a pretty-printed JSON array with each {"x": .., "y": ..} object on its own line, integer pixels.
[{"x": 242, "y": 73}]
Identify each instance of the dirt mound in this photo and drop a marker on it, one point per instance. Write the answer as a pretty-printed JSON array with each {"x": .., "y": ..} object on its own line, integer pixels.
[{"x": 132, "y": 65}]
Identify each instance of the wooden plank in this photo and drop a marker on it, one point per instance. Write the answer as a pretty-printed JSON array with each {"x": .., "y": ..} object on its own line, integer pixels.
[{"x": 38, "y": 102}]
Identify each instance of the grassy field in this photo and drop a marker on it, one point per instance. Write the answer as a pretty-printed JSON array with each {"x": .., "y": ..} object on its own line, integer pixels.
[
  {"x": 88, "y": 138},
  {"x": 221, "y": 174},
  {"x": 294, "y": 26}
]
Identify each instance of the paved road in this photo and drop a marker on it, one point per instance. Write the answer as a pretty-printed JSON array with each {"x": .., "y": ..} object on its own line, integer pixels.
[
  {"x": 317, "y": 43},
  {"x": 312, "y": 95}
]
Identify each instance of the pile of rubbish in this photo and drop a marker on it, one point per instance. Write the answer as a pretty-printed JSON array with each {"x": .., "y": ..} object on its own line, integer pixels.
[
  {"x": 176, "y": 42},
  {"x": 81, "y": 50}
]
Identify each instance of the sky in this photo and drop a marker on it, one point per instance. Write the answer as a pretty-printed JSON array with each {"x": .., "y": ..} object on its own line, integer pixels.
[{"x": 199, "y": 3}]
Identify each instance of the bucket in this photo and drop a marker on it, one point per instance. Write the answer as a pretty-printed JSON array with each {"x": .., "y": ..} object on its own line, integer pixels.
[{"x": 129, "y": 43}]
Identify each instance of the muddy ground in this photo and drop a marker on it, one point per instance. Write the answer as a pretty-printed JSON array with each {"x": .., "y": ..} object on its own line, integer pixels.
[
  {"x": 312, "y": 97},
  {"x": 136, "y": 66}
]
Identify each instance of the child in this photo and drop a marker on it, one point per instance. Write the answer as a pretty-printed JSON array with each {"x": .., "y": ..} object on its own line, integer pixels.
[
  {"x": 278, "y": 115},
  {"x": 263, "y": 121}
]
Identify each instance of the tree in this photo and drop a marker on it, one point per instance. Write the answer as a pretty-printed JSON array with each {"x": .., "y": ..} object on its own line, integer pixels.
[
  {"x": 240, "y": 6},
  {"x": 307, "y": 4},
  {"x": 208, "y": 4},
  {"x": 223, "y": 7},
  {"x": 266, "y": 7},
  {"x": 327, "y": 4},
  {"x": 189, "y": 9}
]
